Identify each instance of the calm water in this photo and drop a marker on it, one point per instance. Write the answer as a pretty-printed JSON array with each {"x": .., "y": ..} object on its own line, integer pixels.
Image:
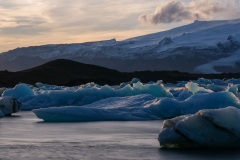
[{"x": 25, "y": 137}]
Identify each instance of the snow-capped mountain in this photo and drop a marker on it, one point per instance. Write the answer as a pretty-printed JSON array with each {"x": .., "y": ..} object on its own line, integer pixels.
[{"x": 203, "y": 47}]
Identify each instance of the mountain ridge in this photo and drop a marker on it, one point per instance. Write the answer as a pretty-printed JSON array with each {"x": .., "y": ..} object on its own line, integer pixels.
[{"x": 199, "y": 47}]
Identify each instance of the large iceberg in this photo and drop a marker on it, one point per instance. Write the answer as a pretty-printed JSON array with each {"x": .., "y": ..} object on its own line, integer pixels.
[
  {"x": 140, "y": 107},
  {"x": 206, "y": 128},
  {"x": 110, "y": 109}
]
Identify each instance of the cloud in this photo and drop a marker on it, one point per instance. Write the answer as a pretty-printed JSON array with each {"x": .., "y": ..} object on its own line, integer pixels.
[
  {"x": 25, "y": 30},
  {"x": 177, "y": 11}
]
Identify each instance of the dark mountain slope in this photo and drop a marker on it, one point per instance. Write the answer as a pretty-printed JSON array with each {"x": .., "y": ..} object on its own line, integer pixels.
[{"x": 69, "y": 73}]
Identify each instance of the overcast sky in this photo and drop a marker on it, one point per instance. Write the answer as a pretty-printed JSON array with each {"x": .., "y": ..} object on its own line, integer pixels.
[{"x": 37, "y": 22}]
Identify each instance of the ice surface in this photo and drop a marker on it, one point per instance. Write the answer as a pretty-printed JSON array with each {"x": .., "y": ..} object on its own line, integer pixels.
[
  {"x": 232, "y": 88},
  {"x": 20, "y": 90},
  {"x": 115, "y": 108},
  {"x": 215, "y": 88},
  {"x": 207, "y": 128},
  {"x": 228, "y": 118},
  {"x": 204, "y": 81},
  {"x": 8, "y": 106},
  {"x": 194, "y": 88},
  {"x": 94, "y": 102},
  {"x": 89, "y": 93},
  {"x": 184, "y": 95},
  {"x": 169, "y": 108},
  {"x": 140, "y": 107}
]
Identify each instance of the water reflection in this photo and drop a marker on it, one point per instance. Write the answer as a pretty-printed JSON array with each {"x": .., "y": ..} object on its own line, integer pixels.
[{"x": 205, "y": 154}]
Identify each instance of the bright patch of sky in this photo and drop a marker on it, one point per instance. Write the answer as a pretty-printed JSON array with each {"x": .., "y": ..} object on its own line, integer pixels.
[{"x": 37, "y": 22}]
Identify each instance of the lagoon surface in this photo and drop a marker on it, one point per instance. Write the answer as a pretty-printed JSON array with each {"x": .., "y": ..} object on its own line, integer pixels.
[{"x": 23, "y": 136}]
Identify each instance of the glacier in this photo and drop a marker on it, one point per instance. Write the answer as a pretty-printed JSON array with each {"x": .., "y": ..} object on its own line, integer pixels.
[{"x": 212, "y": 128}]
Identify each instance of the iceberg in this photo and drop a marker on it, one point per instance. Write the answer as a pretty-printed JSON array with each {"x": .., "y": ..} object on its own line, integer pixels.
[
  {"x": 204, "y": 81},
  {"x": 169, "y": 107},
  {"x": 139, "y": 107},
  {"x": 110, "y": 109},
  {"x": 20, "y": 90},
  {"x": 194, "y": 88},
  {"x": 87, "y": 94},
  {"x": 206, "y": 128},
  {"x": 232, "y": 88},
  {"x": 215, "y": 88},
  {"x": 8, "y": 106}
]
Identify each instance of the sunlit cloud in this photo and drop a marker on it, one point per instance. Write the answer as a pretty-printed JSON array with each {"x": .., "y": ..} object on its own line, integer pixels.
[{"x": 178, "y": 11}]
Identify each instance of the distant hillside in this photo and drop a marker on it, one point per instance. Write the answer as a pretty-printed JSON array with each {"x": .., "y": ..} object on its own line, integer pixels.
[
  {"x": 70, "y": 73},
  {"x": 61, "y": 72}
]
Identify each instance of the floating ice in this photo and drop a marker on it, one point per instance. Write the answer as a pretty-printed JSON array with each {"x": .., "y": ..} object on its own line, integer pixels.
[
  {"x": 166, "y": 104},
  {"x": 116, "y": 108},
  {"x": 204, "y": 81},
  {"x": 182, "y": 84},
  {"x": 8, "y": 106},
  {"x": 140, "y": 107},
  {"x": 232, "y": 88},
  {"x": 169, "y": 108},
  {"x": 184, "y": 95},
  {"x": 88, "y": 94},
  {"x": 218, "y": 82},
  {"x": 233, "y": 81},
  {"x": 194, "y": 88},
  {"x": 207, "y": 128},
  {"x": 19, "y": 91},
  {"x": 215, "y": 88}
]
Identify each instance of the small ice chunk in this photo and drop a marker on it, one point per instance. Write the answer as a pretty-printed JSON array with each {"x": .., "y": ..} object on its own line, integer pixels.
[
  {"x": 9, "y": 105},
  {"x": 194, "y": 88},
  {"x": 232, "y": 88}
]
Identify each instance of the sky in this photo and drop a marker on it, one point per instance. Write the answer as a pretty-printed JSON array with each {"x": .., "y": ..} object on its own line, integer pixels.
[{"x": 38, "y": 22}]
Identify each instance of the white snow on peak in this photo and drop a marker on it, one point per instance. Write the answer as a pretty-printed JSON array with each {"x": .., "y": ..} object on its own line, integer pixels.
[{"x": 198, "y": 30}]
